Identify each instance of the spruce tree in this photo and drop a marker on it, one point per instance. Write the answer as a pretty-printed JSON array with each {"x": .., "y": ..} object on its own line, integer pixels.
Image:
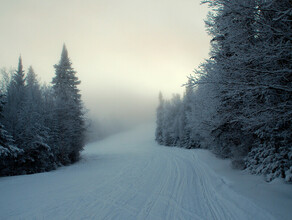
[
  {"x": 34, "y": 130},
  {"x": 16, "y": 93},
  {"x": 159, "y": 120},
  {"x": 69, "y": 121},
  {"x": 8, "y": 152}
]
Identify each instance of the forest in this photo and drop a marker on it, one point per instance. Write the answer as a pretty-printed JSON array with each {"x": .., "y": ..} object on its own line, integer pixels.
[
  {"x": 42, "y": 126},
  {"x": 238, "y": 102},
  {"x": 176, "y": 110}
]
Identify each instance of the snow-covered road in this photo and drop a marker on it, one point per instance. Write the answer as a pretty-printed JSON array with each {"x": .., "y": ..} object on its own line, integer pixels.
[{"x": 128, "y": 176}]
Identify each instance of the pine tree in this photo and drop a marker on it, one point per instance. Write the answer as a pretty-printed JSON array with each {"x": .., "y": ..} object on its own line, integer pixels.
[
  {"x": 69, "y": 121},
  {"x": 5, "y": 76},
  {"x": 8, "y": 152},
  {"x": 34, "y": 130},
  {"x": 159, "y": 120},
  {"x": 186, "y": 137},
  {"x": 16, "y": 94}
]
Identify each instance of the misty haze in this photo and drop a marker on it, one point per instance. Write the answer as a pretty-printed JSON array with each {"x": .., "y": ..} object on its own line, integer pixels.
[{"x": 177, "y": 109}]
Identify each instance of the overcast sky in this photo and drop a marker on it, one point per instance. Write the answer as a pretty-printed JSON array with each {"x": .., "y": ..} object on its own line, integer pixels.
[{"x": 125, "y": 51}]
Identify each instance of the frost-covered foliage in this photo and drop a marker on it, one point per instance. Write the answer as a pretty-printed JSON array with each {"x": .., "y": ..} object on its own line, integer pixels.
[
  {"x": 41, "y": 127},
  {"x": 168, "y": 121},
  {"x": 246, "y": 85},
  {"x": 8, "y": 152},
  {"x": 69, "y": 122},
  {"x": 185, "y": 122},
  {"x": 159, "y": 120}
]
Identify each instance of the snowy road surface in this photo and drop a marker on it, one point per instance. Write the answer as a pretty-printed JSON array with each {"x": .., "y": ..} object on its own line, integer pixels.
[{"x": 128, "y": 176}]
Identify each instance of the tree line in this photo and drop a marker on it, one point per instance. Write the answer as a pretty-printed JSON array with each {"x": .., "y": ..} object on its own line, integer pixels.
[
  {"x": 238, "y": 103},
  {"x": 41, "y": 126}
]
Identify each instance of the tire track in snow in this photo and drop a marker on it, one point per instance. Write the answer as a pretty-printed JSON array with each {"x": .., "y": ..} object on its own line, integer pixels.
[
  {"x": 222, "y": 201},
  {"x": 127, "y": 177},
  {"x": 155, "y": 194},
  {"x": 178, "y": 185}
]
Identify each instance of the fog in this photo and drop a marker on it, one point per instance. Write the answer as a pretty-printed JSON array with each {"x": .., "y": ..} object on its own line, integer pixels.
[{"x": 124, "y": 52}]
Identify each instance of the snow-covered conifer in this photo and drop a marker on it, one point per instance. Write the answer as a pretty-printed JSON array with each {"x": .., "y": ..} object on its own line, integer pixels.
[
  {"x": 159, "y": 120},
  {"x": 69, "y": 125},
  {"x": 16, "y": 93},
  {"x": 8, "y": 152}
]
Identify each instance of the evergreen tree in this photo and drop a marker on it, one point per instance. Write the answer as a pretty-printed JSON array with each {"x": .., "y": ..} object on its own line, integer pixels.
[
  {"x": 8, "y": 152},
  {"x": 16, "y": 93},
  {"x": 69, "y": 121},
  {"x": 5, "y": 76},
  {"x": 48, "y": 117},
  {"x": 34, "y": 130},
  {"x": 159, "y": 120},
  {"x": 186, "y": 137}
]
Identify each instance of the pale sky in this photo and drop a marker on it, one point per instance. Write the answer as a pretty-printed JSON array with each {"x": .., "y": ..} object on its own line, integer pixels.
[{"x": 124, "y": 51}]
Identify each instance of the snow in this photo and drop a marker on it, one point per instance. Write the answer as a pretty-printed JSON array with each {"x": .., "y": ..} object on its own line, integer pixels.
[{"x": 129, "y": 176}]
